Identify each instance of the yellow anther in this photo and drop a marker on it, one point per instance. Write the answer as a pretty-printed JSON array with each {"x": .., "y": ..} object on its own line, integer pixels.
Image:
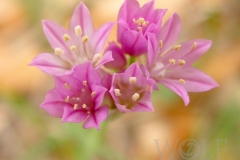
[
  {"x": 93, "y": 93},
  {"x": 78, "y": 30},
  {"x": 141, "y": 21},
  {"x": 73, "y": 48},
  {"x": 84, "y": 83},
  {"x": 194, "y": 45},
  {"x": 67, "y": 86},
  {"x": 132, "y": 80},
  {"x": 160, "y": 43},
  {"x": 117, "y": 92},
  {"x": 177, "y": 47},
  {"x": 75, "y": 106},
  {"x": 182, "y": 81},
  {"x": 181, "y": 62},
  {"x": 66, "y": 37},
  {"x": 67, "y": 99},
  {"x": 172, "y": 61},
  {"x": 84, "y": 39},
  {"x": 84, "y": 105},
  {"x": 135, "y": 96},
  {"x": 59, "y": 51}
]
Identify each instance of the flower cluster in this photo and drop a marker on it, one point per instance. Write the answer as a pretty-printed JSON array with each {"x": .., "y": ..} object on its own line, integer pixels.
[{"x": 90, "y": 79}]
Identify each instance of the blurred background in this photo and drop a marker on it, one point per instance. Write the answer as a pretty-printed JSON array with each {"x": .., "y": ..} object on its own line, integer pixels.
[{"x": 29, "y": 133}]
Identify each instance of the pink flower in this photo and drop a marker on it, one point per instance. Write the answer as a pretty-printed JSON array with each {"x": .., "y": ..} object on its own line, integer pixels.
[
  {"x": 78, "y": 97},
  {"x": 79, "y": 44},
  {"x": 132, "y": 91},
  {"x": 134, "y": 23},
  {"x": 173, "y": 67}
]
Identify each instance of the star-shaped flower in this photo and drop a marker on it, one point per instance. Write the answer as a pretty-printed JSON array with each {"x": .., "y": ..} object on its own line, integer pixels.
[
  {"x": 78, "y": 97},
  {"x": 79, "y": 44},
  {"x": 132, "y": 91},
  {"x": 173, "y": 67},
  {"x": 135, "y": 22}
]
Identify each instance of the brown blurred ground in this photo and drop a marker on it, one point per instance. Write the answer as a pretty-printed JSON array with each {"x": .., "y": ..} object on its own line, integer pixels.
[{"x": 25, "y": 129}]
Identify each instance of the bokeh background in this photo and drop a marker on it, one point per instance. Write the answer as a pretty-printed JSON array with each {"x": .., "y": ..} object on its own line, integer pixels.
[{"x": 29, "y": 133}]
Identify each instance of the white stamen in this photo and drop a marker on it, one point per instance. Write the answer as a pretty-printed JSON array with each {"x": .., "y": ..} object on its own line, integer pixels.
[
  {"x": 132, "y": 80},
  {"x": 75, "y": 106},
  {"x": 66, "y": 37},
  {"x": 135, "y": 96},
  {"x": 140, "y": 28},
  {"x": 117, "y": 92},
  {"x": 59, "y": 51},
  {"x": 78, "y": 99},
  {"x": 96, "y": 58},
  {"x": 172, "y": 61},
  {"x": 182, "y": 81},
  {"x": 181, "y": 62},
  {"x": 84, "y": 105},
  {"x": 73, "y": 48},
  {"x": 67, "y": 99},
  {"x": 160, "y": 43},
  {"x": 93, "y": 93},
  {"x": 78, "y": 30},
  {"x": 84, "y": 39},
  {"x": 134, "y": 20},
  {"x": 177, "y": 47},
  {"x": 67, "y": 86},
  {"x": 194, "y": 45},
  {"x": 84, "y": 83}
]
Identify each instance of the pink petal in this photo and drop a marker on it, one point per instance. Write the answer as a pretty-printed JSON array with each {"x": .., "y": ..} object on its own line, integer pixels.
[
  {"x": 202, "y": 46},
  {"x": 143, "y": 106},
  {"x": 50, "y": 64},
  {"x": 53, "y": 103},
  {"x": 169, "y": 32},
  {"x": 176, "y": 87},
  {"x": 93, "y": 121},
  {"x": 187, "y": 53},
  {"x": 107, "y": 57},
  {"x": 100, "y": 36},
  {"x": 82, "y": 17},
  {"x": 62, "y": 83},
  {"x": 133, "y": 71},
  {"x": 133, "y": 42},
  {"x": 146, "y": 74},
  {"x": 75, "y": 116},
  {"x": 86, "y": 72},
  {"x": 54, "y": 33},
  {"x": 118, "y": 56},
  {"x": 100, "y": 92},
  {"x": 127, "y": 10},
  {"x": 107, "y": 81},
  {"x": 152, "y": 49},
  {"x": 196, "y": 81}
]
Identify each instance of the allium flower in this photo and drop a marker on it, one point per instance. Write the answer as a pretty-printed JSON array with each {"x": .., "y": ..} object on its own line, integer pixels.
[
  {"x": 134, "y": 23},
  {"x": 173, "y": 68},
  {"x": 79, "y": 44},
  {"x": 132, "y": 91},
  {"x": 78, "y": 97}
]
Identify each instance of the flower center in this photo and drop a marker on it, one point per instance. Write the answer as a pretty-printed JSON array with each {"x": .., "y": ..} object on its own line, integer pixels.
[{"x": 83, "y": 100}]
